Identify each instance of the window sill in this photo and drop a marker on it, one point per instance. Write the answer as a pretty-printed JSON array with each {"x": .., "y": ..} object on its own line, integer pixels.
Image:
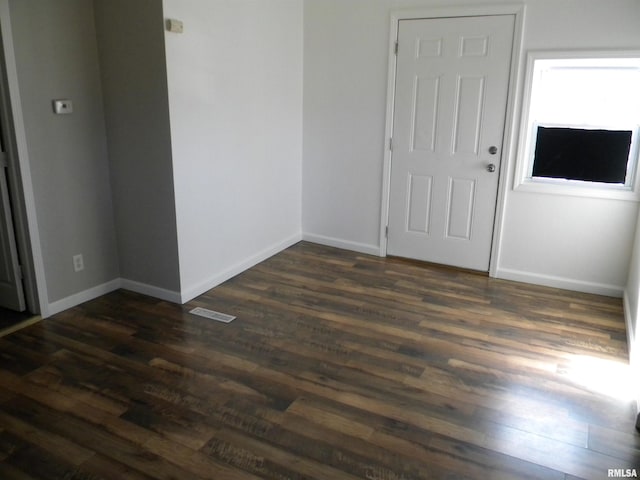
[{"x": 577, "y": 189}]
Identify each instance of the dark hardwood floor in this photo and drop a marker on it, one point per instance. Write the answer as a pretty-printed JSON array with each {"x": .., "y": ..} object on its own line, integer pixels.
[
  {"x": 339, "y": 366},
  {"x": 9, "y": 318}
]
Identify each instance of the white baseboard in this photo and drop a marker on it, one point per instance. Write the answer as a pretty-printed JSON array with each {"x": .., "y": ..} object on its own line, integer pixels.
[
  {"x": 343, "y": 244},
  {"x": 627, "y": 320},
  {"x": 150, "y": 290},
  {"x": 634, "y": 359},
  {"x": 161, "y": 293},
  {"x": 115, "y": 284},
  {"x": 560, "y": 282},
  {"x": 81, "y": 297},
  {"x": 195, "y": 290}
]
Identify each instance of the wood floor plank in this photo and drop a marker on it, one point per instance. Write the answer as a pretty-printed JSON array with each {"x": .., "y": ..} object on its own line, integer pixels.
[
  {"x": 622, "y": 445},
  {"x": 339, "y": 365},
  {"x": 57, "y": 445}
]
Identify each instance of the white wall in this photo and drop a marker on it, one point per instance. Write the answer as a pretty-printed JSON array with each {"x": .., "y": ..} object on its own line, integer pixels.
[
  {"x": 571, "y": 242},
  {"x": 345, "y": 84},
  {"x": 235, "y": 99},
  {"x": 578, "y": 243},
  {"x": 632, "y": 312}
]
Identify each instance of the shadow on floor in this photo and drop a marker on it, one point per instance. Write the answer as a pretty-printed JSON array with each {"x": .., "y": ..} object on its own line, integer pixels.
[{"x": 11, "y": 321}]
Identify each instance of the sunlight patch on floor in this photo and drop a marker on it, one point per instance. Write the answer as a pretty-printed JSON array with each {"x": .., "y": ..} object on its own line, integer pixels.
[{"x": 599, "y": 375}]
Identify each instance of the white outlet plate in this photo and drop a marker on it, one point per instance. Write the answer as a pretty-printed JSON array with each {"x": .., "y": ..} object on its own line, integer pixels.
[{"x": 78, "y": 263}]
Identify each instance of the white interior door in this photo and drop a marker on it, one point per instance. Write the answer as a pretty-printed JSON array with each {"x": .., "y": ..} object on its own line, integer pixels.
[
  {"x": 452, "y": 77},
  {"x": 11, "y": 291}
]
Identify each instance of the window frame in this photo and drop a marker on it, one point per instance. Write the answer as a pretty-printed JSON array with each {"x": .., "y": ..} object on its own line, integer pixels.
[{"x": 523, "y": 179}]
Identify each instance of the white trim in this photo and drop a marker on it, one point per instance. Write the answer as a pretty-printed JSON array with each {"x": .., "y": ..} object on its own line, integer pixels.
[
  {"x": 458, "y": 11},
  {"x": 23, "y": 158},
  {"x": 560, "y": 282},
  {"x": 518, "y": 10},
  {"x": 343, "y": 244},
  {"x": 631, "y": 342},
  {"x": 509, "y": 139},
  {"x": 81, "y": 297},
  {"x": 627, "y": 319},
  {"x": 193, "y": 291},
  {"x": 150, "y": 290},
  {"x": 388, "y": 134}
]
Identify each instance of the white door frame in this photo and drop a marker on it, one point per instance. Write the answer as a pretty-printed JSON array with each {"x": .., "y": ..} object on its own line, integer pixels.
[
  {"x": 18, "y": 143},
  {"x": 511, "y": 124}
]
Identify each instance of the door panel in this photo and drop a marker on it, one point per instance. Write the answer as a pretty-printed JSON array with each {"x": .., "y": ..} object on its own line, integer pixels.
[
  {"x": 452, "y": 77},
  {"x": 11, "y": 291},
  {"x": 419, "y": 207},
  {"x": 468, "y": 116},
  {"x": 460, "y": 208},
  {"x": 425, "y": 110}
]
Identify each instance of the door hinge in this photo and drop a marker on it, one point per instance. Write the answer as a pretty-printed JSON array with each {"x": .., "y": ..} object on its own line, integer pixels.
[
  {"x": 391, "y": 144},
  {"x": 386, "y": 231},
  {"x": 395, "y": 48}
]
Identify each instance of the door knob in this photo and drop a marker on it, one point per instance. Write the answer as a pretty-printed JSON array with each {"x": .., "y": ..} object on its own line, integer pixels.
[
  {"x": 493, "y": 149},
  {"x": 491, "y": 168}
]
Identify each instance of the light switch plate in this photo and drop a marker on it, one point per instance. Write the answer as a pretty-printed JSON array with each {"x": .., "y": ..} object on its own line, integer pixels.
[{"x": 62, "y": 107}]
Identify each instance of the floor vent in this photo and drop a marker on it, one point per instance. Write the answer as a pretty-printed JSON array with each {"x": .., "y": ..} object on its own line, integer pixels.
[{"x": 217, "y": 316}]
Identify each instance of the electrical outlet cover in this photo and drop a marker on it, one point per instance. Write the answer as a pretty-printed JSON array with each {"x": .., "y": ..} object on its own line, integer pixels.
[{"x": 78, "y": 263}]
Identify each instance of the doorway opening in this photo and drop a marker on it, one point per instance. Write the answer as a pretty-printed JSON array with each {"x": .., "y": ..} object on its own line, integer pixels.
[{"x": 19, "y": 295}]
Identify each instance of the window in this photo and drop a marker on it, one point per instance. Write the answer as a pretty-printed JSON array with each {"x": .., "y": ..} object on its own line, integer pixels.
[
  {"x": 582, "y": 154},
  {"x": 581, "y": 121}
]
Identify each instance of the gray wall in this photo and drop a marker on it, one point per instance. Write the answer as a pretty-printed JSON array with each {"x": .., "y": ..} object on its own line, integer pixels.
[
  {"x": 56, "y": 57},
  {"x": 134, "y": 79}
]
